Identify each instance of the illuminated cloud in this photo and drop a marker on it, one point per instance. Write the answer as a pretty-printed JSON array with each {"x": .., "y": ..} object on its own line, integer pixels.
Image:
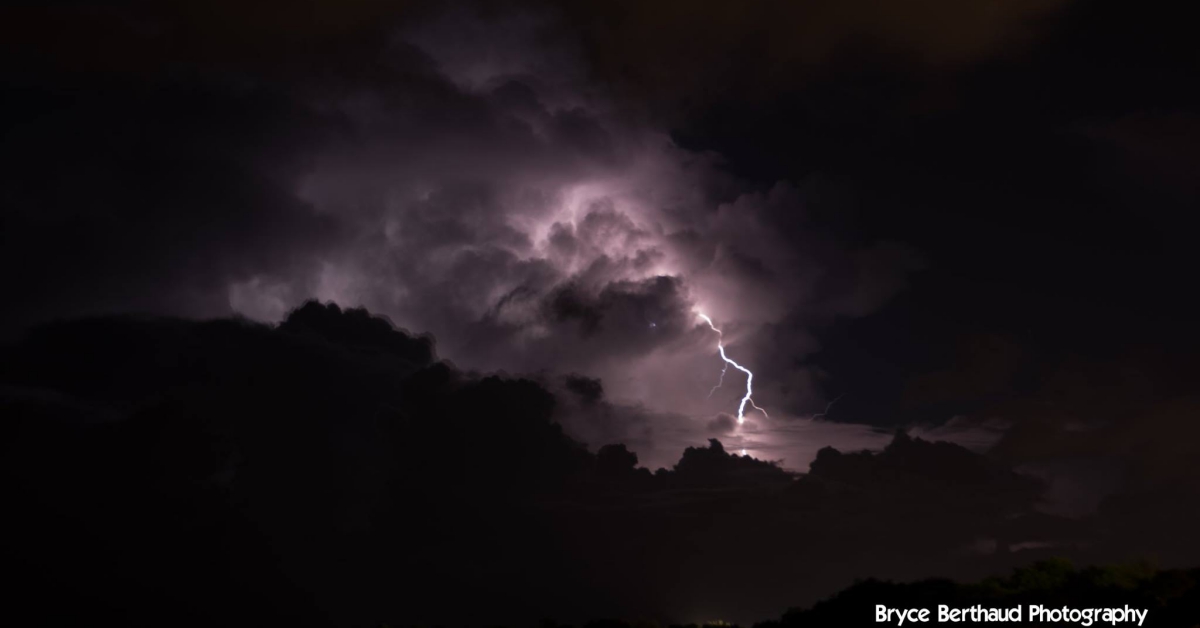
[{"x": 508, "y": 208}]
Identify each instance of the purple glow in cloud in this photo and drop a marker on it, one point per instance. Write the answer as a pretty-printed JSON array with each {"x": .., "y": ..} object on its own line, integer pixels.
[{"x": 511, "y": 211}]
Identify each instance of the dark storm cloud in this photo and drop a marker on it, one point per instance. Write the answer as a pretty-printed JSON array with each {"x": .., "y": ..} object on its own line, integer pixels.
[
  {"x": 722, "y": 423},
  {"x": 478, "y": 188},
  {"x": 589, "y": 390},
  {"x": 672, "y": 55},
  {"x": 129, "y": 197},
  {"x": 1046, "y": 186},
  {"x": 456, "y": 169}
]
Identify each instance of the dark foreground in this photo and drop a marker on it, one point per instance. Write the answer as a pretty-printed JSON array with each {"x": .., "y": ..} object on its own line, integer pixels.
[{"x": 331, "y": 471}]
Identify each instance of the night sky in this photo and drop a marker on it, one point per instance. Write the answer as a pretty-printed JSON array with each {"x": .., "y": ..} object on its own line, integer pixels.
[{"x": 340, "y": 313}]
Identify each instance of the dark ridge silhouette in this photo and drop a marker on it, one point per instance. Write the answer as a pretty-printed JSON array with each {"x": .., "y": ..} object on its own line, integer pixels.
[
  {"x": 330, "y": 472},
  {"x": 1171, "y": 597},
  {"x": 326, "y": 471}
]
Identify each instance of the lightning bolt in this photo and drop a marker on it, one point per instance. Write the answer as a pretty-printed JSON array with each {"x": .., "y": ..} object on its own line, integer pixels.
[
  {"x": 719, "y": 381},
  {"x": 749, "y": 376},
  {"x": 828, "y": 407}
]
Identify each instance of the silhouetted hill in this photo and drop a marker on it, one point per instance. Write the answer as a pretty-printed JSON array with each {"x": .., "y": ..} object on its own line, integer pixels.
[
  {"x": 1172, "y": 597},
  {"x": 331, "y": 471}
]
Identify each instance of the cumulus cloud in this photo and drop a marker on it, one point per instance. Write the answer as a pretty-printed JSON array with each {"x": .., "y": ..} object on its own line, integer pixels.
[
  {"x": 475, "y": 187},
  {"x": 517, "y": 214}
]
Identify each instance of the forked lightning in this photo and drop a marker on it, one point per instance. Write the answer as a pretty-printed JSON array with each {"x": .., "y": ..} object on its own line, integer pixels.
[{"x": 747, "y": 399}]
